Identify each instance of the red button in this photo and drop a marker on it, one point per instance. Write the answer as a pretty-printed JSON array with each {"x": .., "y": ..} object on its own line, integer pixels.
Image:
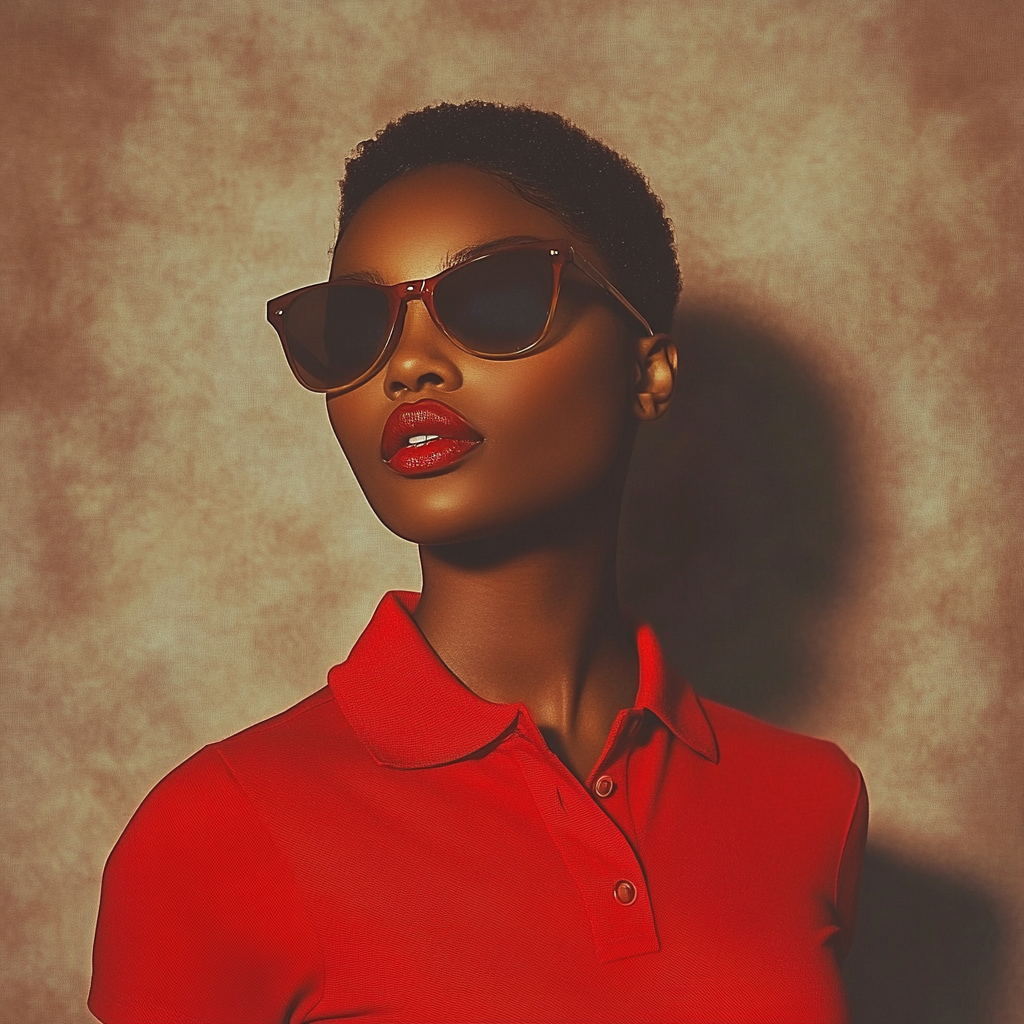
[
  {"x": 604, "y": 786},
  {"x": 625, "y": 892}
]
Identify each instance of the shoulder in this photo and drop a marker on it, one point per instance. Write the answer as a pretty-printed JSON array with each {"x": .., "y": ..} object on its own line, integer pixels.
[
  {"x": 314, "y": 719},
  {"x": 746, "y": 743},
  {"x": 197, "y": 812},
  {"x": 804, "y": 797},
  {"x": 198, "y": 899},
  {"x": 210, "y": 787},
  {"x": 785, "y": 776}
]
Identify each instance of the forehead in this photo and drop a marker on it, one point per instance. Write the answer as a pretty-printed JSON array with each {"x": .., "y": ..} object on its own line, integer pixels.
[{"x": 407, "y": 229}]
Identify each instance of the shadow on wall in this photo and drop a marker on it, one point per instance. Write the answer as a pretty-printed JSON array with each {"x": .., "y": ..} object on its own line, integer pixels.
[
  {"x": 927, "y": 950},
  {"x": 739, "y": 524}
]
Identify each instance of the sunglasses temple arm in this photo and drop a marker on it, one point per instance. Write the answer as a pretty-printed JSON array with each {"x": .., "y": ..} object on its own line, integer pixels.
[{"x": 595, "y": 275}]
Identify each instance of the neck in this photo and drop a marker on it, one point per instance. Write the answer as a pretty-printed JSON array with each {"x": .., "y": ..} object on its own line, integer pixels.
[{"x": 532, "y": 616}]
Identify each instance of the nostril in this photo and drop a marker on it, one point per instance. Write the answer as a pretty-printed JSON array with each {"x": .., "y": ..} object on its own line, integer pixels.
[{"x": 397, "y": 386}]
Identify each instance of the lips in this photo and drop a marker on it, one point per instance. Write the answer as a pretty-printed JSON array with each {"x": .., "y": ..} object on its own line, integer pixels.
[{"x": 421, "y": 437}]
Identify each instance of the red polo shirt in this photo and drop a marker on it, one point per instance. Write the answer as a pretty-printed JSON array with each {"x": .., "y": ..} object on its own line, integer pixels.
[{"x": 395, "y": 848}]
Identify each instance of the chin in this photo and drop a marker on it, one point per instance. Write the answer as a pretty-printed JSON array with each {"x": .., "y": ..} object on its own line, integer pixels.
[
  {"x": 523, "y": 503},
  {"x": 502, "y": 527},
  {"x": 427, "y": 514},
  {"x": 439, "y": 527},
  {"x": 435, "y": 516}
]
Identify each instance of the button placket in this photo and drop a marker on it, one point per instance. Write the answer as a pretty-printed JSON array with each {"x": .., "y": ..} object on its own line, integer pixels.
[
  {"x": 625, "y": 727},
  {"x": 595, "y": 851}
]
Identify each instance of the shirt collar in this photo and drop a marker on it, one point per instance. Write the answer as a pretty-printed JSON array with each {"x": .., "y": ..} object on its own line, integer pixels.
[{"x": 412, "y": 712}]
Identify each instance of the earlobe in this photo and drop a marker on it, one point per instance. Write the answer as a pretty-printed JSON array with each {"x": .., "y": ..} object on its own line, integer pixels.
[{"x": 656, "y": 367}]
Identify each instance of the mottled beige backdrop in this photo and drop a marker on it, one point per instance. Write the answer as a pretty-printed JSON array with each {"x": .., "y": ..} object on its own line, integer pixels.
[{"x": 185, "y": 551}]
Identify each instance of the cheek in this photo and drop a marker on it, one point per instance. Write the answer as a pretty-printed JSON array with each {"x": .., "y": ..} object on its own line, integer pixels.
[
  {"x": 355, "y": 422},
  {"x": 565, "y": 420}
]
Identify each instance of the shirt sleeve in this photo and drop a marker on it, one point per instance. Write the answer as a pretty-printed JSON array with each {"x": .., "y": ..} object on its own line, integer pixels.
[
  {"x": 200, "y": 921},
  {"x": 848, "y": 874}
]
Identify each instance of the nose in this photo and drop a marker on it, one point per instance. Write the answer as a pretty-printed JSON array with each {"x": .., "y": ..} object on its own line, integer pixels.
[{"x": 424, "y": 357}]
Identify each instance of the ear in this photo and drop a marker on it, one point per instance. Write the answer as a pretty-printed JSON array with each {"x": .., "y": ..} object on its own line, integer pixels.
[{"x": 655, "y": 370}]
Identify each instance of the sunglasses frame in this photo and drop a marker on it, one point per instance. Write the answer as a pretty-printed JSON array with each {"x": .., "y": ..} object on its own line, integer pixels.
[{"x": 398, "y": 295}]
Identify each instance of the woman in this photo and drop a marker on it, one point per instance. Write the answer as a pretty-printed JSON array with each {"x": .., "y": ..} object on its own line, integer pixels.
[{"x": 504, "y": 806}]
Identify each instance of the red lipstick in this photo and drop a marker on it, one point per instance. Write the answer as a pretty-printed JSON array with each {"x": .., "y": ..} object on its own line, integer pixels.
[{"x": 423, "y": 437}]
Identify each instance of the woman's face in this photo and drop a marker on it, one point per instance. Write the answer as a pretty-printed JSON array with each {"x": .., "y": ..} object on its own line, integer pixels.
[{"x": 555, "y": 424}]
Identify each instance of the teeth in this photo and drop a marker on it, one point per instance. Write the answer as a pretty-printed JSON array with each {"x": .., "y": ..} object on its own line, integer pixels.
[{"x": 421, "y": 439}]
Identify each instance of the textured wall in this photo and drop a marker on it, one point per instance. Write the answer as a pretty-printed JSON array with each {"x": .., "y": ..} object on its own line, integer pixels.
[{"x": 837, "y": 494}]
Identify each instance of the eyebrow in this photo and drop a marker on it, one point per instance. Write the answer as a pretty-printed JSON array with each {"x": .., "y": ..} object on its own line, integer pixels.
[
  {"x": 472, "y": 251},
  {"x": 450, "y": 260},
  {"x": 369, "y": 276}
]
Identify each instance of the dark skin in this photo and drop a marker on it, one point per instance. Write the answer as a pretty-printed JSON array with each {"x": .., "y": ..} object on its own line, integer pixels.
[{"x": 517, "y": 540}]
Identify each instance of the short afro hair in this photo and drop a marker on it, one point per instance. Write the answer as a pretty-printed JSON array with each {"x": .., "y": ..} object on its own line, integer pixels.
[{"x": 602, "y": 197}]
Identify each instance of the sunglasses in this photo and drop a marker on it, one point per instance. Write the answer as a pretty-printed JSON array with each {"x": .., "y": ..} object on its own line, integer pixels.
[{"x": 498, "y": 305}]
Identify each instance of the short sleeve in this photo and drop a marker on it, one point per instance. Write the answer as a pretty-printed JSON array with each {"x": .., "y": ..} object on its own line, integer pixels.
[
  {"x": 851, "y": 862},
  {"x": 200, "y": 921}
]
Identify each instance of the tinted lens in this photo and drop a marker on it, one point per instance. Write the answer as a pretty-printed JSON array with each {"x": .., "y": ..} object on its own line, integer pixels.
[
  {"x": 336, "y": 332},
  {"x": 499, "y": 304}
]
